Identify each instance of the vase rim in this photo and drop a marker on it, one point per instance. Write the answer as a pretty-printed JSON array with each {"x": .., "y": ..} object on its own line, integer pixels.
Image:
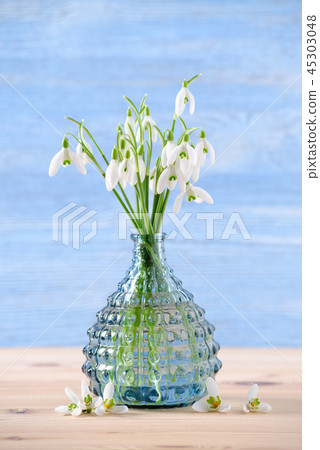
[{"x": 158, "y": 237}]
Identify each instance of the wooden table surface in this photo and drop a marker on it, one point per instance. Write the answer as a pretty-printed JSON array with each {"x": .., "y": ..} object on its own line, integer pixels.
[{"x": 34, "y": 386}]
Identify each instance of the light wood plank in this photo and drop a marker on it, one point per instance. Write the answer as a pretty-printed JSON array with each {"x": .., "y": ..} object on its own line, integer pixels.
[{"x": 35, "y": 385}]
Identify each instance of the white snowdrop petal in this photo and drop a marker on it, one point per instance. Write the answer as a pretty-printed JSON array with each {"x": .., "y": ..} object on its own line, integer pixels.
[
  {"x": 177, "y": 203},
  {"x": 100, "y": 411},
  {"x": 203, "y": 195},
  {"x": 212, "y": 387},
  {"x": 191, "y": 102},
  {"x": 195, "y": 173},
  {"x": 108, "y": 391},
  {"x": 73, "y": 397},
  {"x": 201, "y": 406},
  {"x": 253, "y": 392},
  {"x": 142, "y": 168},
  {"x": 84, "y": 389},
  {"x": 55, "y": 163},
  {"x": 119, "y": 409},
  {"x": 224, "y": 407},
  {"x": 211, "y": 152},
  {"x": 77, "y": 411},
  {"x": 162, "y": 180},
  {"x": 264, "y": 407},
  {"x": 180, "y": 105},
  {"x": 78, "y": 161},
  {"x": 172, "y": 155},
  {"x": 97, "y": 402},
  {"x": 245, "y": 408},
  {"x": 62, "y": 410}
]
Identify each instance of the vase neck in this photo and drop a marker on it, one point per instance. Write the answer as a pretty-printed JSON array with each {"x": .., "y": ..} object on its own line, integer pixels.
[{"x": 149, "y": 249}]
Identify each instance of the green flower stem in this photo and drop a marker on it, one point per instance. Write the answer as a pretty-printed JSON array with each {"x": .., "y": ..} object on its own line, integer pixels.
[
  {"x": 163, "y": 208},
  {"x": 91, "y": 137}
]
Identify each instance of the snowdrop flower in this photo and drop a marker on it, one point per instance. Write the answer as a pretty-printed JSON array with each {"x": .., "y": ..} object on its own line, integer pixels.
[
  {"x": 141, "y": 164},
  {"x": 186, "y": 155},
  {"x": 112, "y": 172},
  {"x": 148, "y": 120},
  {"x": 127, "y": 170},
  {"x": 65, "y": 157},
  {"x": 130, "y": 123},
  {"x": 169, "y": 178},
  {"x": 77, "y": 406},
  {"x": 253, "y": 404},
  {"x": 80, "y": 148},
  {"x": 192, "y": 193},
  {"x": 212, "y": 401},
  {"x": 153, "y": 178},
  {"x": 109, "y": 405},
  {"x": 204, "y": 147},
  {"x": 184, "y": 96},
  {"x": 167, "y": 149}
]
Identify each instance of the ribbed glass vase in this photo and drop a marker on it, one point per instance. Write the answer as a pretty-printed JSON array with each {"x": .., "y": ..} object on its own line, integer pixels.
[{"x": 151, "y": 340}]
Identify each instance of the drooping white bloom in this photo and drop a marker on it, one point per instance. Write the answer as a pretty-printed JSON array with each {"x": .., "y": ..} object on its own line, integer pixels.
[
  {"x": 78, "y": 406},
  {"x": 184, "y": 96},
  {"x": 109, "y": 405},
  {"x": 195, "y": 173},
  {"x": 153, "y": 178},
  {"x": 212, "y": 401},
  {"x": 169, "y": 178},
  {"x": 204, "y": 147},
  {"x": 112, "y": 172},
  {"x": 80, "y": 148},
  {"x": 148, "y": 121},
  {"x": 130, "y": 123},
  {"x": 192, "y": 193},
  {"x": 65, "y": 157},
  {"x": 142, "y": 168},
  {"x": 186, "y": 155},
  {"x": 127, "y": 170},
  {"x": 167, "y": 149},
  {"x": 253, "y": 404}
]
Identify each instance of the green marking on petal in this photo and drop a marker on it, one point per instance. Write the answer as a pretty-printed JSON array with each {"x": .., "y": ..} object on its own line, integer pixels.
[
  {"x": 183, "y": 155},
  {"x": 88, "y": 400},
  {"x": 66, "y": 161},
  {"x": 205, "y": 150},
  {"x": 191, "y": 197},
  {"x": 172, "y": 178},
  {"x": 72, "y": 406},
  {"x": 214, "y": 402},
  {"x": 109, "y": 404}
]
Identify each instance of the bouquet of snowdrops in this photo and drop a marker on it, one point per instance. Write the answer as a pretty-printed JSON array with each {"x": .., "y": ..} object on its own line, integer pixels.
[{"x": 179, "y": 161}]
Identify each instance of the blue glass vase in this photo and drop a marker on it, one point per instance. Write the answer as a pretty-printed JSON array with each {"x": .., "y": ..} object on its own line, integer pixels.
[{"x": 151, "y": 340}]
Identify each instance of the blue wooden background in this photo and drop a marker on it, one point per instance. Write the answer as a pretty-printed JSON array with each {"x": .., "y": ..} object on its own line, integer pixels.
[{"x": 78, "y": 58}]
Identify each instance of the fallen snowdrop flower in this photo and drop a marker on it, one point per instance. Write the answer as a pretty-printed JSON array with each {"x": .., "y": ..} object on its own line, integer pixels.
[
  {"x": 109, "y": 405},
  {"x": 253, "y": 404},
  {"x": 212, "y": 401},
  {"x": 79, "y": 406}
]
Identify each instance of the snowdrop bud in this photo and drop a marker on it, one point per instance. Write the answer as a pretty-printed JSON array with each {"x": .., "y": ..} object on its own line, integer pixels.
[
  {"x": 170, "y": 136},
  {"x": 65, "y": 142},
  {"x": 114, "y": 154},
  {"x": 141, "y": 150},
  {"x": 122, "y": 144}
]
